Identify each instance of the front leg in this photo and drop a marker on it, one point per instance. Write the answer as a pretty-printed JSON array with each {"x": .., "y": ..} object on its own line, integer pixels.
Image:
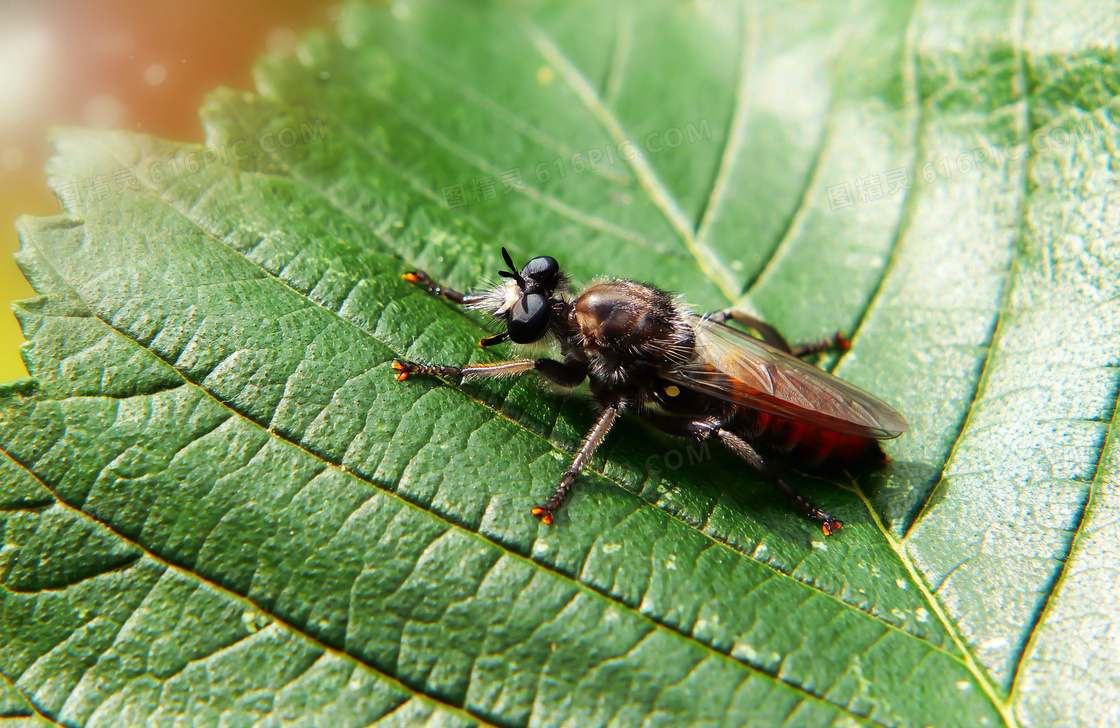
[
  {"x": 422, "y": 278},
  {"x": 463, "y": 299},
  {"x": 586, "y": 450},
  {"x": 552, "y": 370}
]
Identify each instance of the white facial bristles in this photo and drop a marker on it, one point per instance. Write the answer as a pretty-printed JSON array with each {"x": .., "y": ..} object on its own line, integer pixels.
[{"x": 499, "y": 299}]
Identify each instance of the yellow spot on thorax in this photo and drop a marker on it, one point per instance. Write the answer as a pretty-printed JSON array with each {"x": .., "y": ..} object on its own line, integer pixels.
[{"x": 672, "y": 391}]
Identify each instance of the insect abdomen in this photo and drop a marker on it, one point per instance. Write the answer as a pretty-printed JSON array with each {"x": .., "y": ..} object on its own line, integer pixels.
[{"x": 805, "y": 444}]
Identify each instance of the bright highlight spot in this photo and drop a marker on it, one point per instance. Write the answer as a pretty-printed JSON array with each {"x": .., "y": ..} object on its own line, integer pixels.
[
  {"x": 155, "y": 74},
  {"x": 23, "y": 70},
  {"x": 282, "y": 41},
  {"x": 103, "y": 111},
  {"x": 11, "y": 159}
]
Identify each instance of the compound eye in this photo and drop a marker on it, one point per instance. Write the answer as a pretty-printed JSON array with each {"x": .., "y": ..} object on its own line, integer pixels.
[
  {"x": 543, "y": 270},
  {"x": 528, "y": 319}
]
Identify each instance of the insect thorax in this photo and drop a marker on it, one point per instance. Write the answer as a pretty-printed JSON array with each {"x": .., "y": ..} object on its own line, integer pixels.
[{"x": 625, "y": 330}]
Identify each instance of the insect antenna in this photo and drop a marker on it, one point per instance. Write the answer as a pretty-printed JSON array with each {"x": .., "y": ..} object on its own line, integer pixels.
[{"x": 512, "y": 272}]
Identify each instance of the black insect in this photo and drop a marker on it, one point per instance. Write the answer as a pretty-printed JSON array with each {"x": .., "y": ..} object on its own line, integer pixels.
[{"x": 687, "y": 375}]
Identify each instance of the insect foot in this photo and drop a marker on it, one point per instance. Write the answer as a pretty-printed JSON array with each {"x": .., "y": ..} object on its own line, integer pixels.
[{"x": 407, "y": 368}]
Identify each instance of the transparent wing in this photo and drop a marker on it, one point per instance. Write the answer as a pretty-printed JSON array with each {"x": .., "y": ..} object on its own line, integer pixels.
[{"x": 743, "y": 370}]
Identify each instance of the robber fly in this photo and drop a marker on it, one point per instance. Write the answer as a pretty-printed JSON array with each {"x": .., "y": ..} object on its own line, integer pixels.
[{"x": 685, "y": 374}]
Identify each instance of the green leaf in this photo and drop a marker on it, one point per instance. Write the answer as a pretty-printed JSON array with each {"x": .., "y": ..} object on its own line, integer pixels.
[{"x": 218, "y": 506}]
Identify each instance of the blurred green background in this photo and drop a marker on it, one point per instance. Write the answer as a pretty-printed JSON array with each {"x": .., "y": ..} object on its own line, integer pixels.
[{"x": 141, "y": 65}]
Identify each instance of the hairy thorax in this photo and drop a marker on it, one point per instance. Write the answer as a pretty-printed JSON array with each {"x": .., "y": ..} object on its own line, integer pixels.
[{"x": 626, "y": 331}]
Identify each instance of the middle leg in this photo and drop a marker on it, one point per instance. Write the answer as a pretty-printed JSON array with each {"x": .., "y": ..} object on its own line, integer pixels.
[{"x": 586, "y": 450}]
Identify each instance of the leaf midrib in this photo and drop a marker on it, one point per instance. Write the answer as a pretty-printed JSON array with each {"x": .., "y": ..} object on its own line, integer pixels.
[
  {"x": 706, "y": 258},
  {"x": 901, "y": 545},
  {"x": 1110, "y": 442},
  {"x": 978, "y": 673},
  {"x": 913, "y": 102}
]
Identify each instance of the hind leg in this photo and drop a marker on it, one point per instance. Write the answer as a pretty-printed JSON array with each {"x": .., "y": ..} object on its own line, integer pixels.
[
  {"x": 704, "y": 428},
  {"x": 771, "y": 336}
]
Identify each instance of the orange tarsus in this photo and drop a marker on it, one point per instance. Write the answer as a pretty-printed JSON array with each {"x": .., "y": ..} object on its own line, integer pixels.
[
  {"x": 411, "y": 277},
  {"x": 545, "y": 516}
]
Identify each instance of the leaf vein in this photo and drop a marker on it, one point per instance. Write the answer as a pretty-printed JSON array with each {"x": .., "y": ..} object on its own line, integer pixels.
[
  {"x": 228, "y": 593},
  {"x": 738, "y": 124},
  {"x": 1078, "y": 530},
  {"x": 706, "y": 257}
]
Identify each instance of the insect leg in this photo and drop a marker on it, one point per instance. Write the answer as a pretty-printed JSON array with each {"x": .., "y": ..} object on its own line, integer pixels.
[
  {"x": 836, "y": 341},
  {"x": 768, "y": 333},
  {"x": 771, "y": 336},
  {"x": 681, "y": 426},
  {"x": 422, "y": 278},
  {"x": 702, "y": 429},
  {"x": 594, "y": 438},
  {"x": 550, "y": 369},
  {"x": 770, "y": 473}
]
